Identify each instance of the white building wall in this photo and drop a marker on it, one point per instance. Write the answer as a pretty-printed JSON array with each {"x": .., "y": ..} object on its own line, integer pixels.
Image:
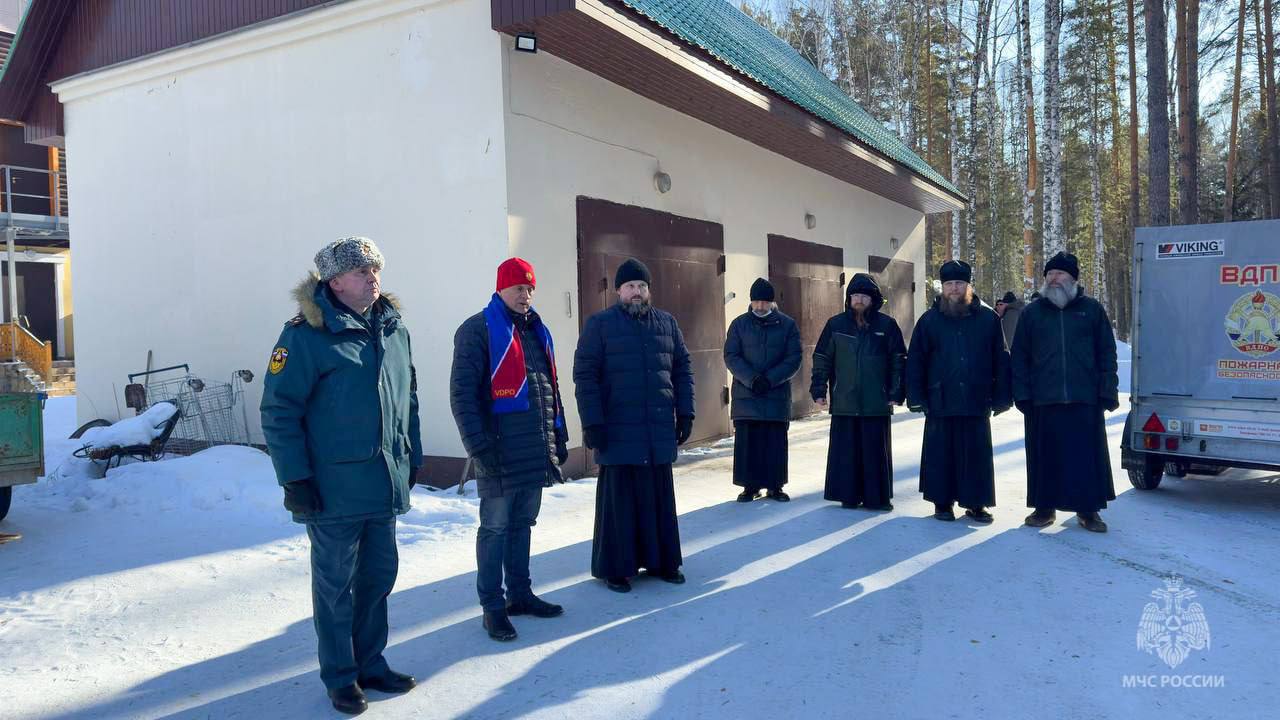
[
  {"x": 207, "y": 177},
  {"x": 571, "y": 133}
]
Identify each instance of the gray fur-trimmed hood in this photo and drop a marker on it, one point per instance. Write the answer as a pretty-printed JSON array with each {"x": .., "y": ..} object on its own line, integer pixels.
[{"x": 304, "y": 293}]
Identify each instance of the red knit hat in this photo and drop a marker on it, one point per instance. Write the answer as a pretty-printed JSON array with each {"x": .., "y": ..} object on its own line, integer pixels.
[{"x": 515, "y": 271}]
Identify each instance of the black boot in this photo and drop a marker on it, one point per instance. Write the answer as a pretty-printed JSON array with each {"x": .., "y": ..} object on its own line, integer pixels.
[
  {"x": 886, "y": 507},
  {"x": 1091, "y": 521},
  {"x": 535, "y": 606},
  {"x": 748, "y": 495},
  {"x": 944, "y": 512},
  {"x": 778, "y": 496},
  {"x": 390, "y": 682},
  {"x": 499, "y": 625},
  {"x": 849, "y": 505},
  {"x": 979, "y": 515},
  {"x": 618, "y": 584},
  {"x": 1041, "y": 518},
  {"x": 675, "y": 577},
  {"x": 349, "y": 699}
]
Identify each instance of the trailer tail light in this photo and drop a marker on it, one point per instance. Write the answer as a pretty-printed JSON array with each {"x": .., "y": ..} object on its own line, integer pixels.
[
  {"x": 1151, "y": 442},
  {"x": 1153, "y": 425},
  {"x": 1171, "y": 443}
]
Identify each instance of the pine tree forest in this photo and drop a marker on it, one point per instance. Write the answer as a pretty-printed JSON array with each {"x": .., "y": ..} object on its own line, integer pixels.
[{"x": 1066, "y": 123}]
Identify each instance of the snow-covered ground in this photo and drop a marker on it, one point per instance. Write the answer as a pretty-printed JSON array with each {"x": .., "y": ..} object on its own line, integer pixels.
[{"x": 181, "y": 589}]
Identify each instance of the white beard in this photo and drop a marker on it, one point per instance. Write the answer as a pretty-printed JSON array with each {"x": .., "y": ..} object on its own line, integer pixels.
[{"x": 1060, "y": 296}]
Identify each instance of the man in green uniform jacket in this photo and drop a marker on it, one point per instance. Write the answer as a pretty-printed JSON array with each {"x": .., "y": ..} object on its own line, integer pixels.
[{"x": 340, "y": 416}]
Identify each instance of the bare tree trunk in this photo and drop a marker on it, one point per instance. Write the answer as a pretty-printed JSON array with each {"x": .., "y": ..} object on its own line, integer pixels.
[
  {"x": 980, "y": 34},
  {"x": 1228, "y": 207},
  {"x": 1273, "y": 148},
  {"x": 1033, "y": 172},
  {"x": 1135, "y": 199},
  {"x": 1157, "y": 113},
  {"x": 1095, "y": 193},
  {"x": 929, "y": 225},
  {"x": 1187, "y": 42},
  {"x": 1264, "y": 106},
  {"x": 995, "y": 161},
  {"x": 1053, "y": 237},
  {"x": 953, "y": 92}
]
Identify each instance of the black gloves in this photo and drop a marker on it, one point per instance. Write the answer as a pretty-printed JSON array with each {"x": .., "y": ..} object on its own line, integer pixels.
[
  {"x": 596, "y": 437},
  {"x": 1024, "y": 406},
  {"x": 1111, "y": 404},
  {"x": 488, "y": 458},
  {"x": 684, "y": 427},
  {"x": 413, "y": 476},
  {"x": 562, "y": 453},
  {"x": 760, "y": 385},
  {"x": 301, "y": 498}
]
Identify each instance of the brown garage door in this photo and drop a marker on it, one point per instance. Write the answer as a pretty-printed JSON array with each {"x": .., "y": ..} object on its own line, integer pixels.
[
  {"x": 898, "y": 285},
  {"x": 686, "y": 258},
  {"x": 809, "y": 283}
]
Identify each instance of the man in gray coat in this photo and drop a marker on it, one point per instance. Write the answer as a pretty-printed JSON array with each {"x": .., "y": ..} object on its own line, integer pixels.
[{"x": 762, "y": 352}]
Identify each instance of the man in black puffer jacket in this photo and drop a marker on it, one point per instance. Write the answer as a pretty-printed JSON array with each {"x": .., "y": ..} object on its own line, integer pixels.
[
  {"x": 634, "y": 384},
  {"x": 859, "y": 363},
  {"x": 506, "y": 401},
  {"x": 958, "y": 374},
  {"x": 763, "y": 353},
  {"x": 1064, "y": 377}
]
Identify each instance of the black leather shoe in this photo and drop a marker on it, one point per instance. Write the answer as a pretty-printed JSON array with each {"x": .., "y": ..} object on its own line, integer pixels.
[
  {"x": 390, "y": 682},
  {"x": 748, "y": 495},
  {"x": 778, "y": 495},
  {"x": 945, "y": 513},
  {"x": 535, "y": 606},
  {"x": 880, "y": 508},
  {"x": 499, "y": 625},
  {"x": 618, "y": 584},
  {"x": 675, "y": 577},
  {"x": 1039, "y": 519},
  {"x": 980, "y": 515},
  {"x": 1091, "y": 521},
  {"x": 349, "y": 699},
  {"x": 849, "y": 505}
]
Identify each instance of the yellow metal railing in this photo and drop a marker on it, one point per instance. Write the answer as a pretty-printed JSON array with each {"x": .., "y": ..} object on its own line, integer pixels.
[{"x": 17, "y": 343}]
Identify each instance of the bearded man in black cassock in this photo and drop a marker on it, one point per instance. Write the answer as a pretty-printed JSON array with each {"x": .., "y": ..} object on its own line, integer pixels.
[
  {"x": 634, "y": 385},
  {"x": 958, "y": 374},
  {"x": 1064, "y": 378}
]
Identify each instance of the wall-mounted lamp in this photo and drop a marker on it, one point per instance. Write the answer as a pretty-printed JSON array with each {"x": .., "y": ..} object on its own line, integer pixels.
[
  {"x": 810, "y": 221},
  {"x": 526, "y": 43},
  {"x": 728, "y": 298},
  {"x": 893, "y": 243},
  {"x": 662, "y": 181}
]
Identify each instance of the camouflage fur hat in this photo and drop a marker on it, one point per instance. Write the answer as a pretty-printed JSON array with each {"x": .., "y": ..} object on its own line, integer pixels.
[{"x": 348, "y": 253}]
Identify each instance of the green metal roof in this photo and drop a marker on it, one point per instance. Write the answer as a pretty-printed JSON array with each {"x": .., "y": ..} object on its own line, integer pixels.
[{"x": 740, "y": 42}]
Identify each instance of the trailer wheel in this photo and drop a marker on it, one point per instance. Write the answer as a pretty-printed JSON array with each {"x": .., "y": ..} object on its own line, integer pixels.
[
  {"x": 6, "y": 499},
  {"x": 1177, "y": 468},
  {"x": 1148, "y": 477}
]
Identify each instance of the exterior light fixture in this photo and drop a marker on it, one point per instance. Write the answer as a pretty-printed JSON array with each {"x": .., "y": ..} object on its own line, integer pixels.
[
  {"x": 810, "y": 221},
  {"x": 893, "y": 243},
  {"x": 526, "y": 43},
  {"x": 662, "y": 182}
]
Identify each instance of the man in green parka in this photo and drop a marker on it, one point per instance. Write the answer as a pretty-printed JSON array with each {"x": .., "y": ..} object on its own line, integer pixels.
[{"x": 340, "y": 416}]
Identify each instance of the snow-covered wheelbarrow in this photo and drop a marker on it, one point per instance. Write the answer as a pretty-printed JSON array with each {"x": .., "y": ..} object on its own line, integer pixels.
[{"x": 105, "y": 442}]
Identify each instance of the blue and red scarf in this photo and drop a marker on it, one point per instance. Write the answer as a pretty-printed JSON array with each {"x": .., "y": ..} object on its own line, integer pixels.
[{"x": 508, "y": 381}]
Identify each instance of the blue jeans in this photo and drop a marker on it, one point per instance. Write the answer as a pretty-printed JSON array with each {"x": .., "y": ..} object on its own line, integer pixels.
[
  {"x": 353, "y": 568},
  {"x": 502, "y": 546}
]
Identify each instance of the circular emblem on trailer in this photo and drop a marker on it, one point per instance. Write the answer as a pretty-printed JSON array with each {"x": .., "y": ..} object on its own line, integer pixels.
[
  {"x": 1253, "y": 324},
  {"x": 278, "y": 358}
]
